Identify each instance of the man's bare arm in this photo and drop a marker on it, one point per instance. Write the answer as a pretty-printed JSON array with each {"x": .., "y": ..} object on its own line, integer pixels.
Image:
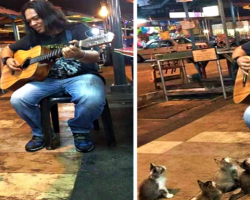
[
  {"x": 11, "y": 62},
  {"x": 238, "y": 52},
  {"x": 6, "y": 52}
]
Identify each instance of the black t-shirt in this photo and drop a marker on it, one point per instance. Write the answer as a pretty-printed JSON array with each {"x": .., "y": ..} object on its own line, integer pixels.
[
  {"x": 246, "y": 48},
  {"x": 63, "y": 67}
]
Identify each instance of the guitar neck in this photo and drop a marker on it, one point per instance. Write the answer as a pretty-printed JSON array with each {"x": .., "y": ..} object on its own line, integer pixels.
[
  {"x": 87, "y": 43},
  {"x": 46, "y": 56}
]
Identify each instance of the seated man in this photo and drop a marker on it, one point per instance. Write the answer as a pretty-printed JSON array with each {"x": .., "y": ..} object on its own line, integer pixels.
[
  {"x": 75, "y": 74},
  {"x": 241, "y": 57}
]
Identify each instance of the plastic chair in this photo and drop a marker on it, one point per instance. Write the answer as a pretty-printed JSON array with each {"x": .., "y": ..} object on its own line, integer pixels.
[{"x": 50, "y": 105}]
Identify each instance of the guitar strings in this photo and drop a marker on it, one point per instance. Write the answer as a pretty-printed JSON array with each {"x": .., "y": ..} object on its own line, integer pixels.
[{"x": 245, "y": 72}]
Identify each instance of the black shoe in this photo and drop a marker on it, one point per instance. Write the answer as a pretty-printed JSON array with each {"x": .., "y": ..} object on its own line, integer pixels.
[
  {"x": 36, "y": 143},
  {"x": 83, "y": 143}
]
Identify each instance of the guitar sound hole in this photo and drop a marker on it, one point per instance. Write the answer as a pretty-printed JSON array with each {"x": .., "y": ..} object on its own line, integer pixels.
[{"x": 26, "y": 64}]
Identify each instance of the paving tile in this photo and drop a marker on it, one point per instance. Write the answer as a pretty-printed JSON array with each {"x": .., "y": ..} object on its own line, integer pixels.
[
  {"x": 187, "y": 183},
  {"x": 225, "y": 196},
  {"x": 222, "y": 137},
  {"x": 145, "y": 126},
  {"x": 36, "y": 186},
  {"x": 185, "y": 133},
  {"x": 143, "y": 159},
  {"x": 142, "y": 174},
  {"x": 14, "y": 123},
  {"x": 197, "y": 164},
  {"x": 63, "y": 163},
  {"x": 238, "y": 126},
  {"x": 157, "y": 147},
  {"x": 21, "y": 133},
  {"x": 234, "y": 150},
  {"x": 166, "y": 109}
]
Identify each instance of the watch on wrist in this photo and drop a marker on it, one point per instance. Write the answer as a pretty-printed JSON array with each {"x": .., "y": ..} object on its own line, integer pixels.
[{"x": 5, "y": 60}]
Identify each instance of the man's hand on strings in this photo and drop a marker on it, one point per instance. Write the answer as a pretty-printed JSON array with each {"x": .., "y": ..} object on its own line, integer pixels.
[
  {"x": 72, "y": 51},
  {"x": 13, "y": 64}
]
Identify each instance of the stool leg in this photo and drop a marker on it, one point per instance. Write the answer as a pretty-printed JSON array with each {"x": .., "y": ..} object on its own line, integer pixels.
[
  {"x": 45, "y": 116},
  {"x": 55, "y": 118},
  {"x": 108, "y": 125},
  {"x": 96, "y": 125}
]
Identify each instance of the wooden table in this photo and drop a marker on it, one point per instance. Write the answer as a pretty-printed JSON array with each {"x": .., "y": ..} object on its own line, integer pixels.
[
  {"x": 129, "y": 52},
  {"x": 227, "y": 54},
  {"x": 182, "y": 56},
  {"x": 173, "y": 56}
]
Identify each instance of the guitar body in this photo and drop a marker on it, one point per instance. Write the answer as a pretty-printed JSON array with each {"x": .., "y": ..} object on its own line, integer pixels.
[
  {"x": 35, "y": 65},
  {"x": 34, "y": 72},
  {"x": 241, "y": 93}
]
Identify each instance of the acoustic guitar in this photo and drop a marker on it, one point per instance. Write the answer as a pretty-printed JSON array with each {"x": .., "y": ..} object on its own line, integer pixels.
[
  {"x": 36, "y": 62},
  {"x": 241, "y": 87}
]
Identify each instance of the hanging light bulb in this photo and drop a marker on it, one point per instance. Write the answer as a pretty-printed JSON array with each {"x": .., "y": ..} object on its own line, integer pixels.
[{"x": 104, "y": 11}]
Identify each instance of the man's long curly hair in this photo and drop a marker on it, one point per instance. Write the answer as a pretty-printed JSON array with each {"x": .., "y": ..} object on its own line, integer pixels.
[{"x": 53, "y": 18}]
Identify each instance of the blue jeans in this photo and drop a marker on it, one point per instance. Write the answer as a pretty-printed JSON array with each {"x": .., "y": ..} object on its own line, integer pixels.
[{"x": 88, "y": 95}]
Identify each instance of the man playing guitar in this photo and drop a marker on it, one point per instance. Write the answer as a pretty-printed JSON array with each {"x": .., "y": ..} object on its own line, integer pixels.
[
  {"x": 74, "y": 74},
  {"x": 241, "y": 57}
]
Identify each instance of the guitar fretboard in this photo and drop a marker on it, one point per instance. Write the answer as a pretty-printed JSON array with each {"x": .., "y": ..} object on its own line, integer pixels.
[{"x": 46, "y": 56}]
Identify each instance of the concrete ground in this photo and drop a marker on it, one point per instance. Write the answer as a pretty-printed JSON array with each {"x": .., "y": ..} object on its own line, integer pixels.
[
  {"x": 63, "y": 173},
  {"x": 186, "y": 134}
]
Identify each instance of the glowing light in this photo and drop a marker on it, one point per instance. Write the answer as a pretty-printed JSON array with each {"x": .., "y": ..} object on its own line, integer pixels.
[
  {"x": 239, "y": 29},
  {"x": 95, "y": 31},
  {"x": 206, "y": 31},
  {"x": 139, "y": 21},
  {"x": 104, "y": 11},
  {"x": 210, "y": 11}
]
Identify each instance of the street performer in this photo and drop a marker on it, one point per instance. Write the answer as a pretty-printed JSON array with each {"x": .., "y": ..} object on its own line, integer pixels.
[
  {"x": 74, "y": 74},
  {"x": 241, "y": 57}
]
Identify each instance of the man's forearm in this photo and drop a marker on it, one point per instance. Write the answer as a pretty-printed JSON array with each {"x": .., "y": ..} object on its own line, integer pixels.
[
  {"x": 238, "y": 52},
  {"x": 89, "y": 56},
  {"x": 6, "y": 52}
]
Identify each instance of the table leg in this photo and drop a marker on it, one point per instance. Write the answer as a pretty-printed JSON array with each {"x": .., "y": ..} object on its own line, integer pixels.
[
  {"x": 162, "y": 80},
  {"x": 184, "y": 71},
  {"x": 221, "y": 79}
]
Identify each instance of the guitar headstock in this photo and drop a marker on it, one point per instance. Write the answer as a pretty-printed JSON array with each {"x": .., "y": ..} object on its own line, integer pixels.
[{"x": 97, "y": 40}]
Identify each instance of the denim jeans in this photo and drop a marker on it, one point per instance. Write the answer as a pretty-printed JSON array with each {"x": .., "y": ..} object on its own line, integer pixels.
[
  {"x": 246, "y": 116},
  {"x": 88, "y": 95}
]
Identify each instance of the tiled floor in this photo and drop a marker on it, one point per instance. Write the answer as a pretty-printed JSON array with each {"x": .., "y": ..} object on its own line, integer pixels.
[
  {"x": 189, "y": 152},
  {"x": 40, "y": 175},
  {"x": 57, "y": 174}
]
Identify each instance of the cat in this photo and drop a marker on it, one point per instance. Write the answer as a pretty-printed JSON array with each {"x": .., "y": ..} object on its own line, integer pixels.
[
  {"x": 154, "y": 186},
  {"x": 209, "y": 191},
  {"x": 226, "y": 178},
  {"x": 244, "y": 180}
]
